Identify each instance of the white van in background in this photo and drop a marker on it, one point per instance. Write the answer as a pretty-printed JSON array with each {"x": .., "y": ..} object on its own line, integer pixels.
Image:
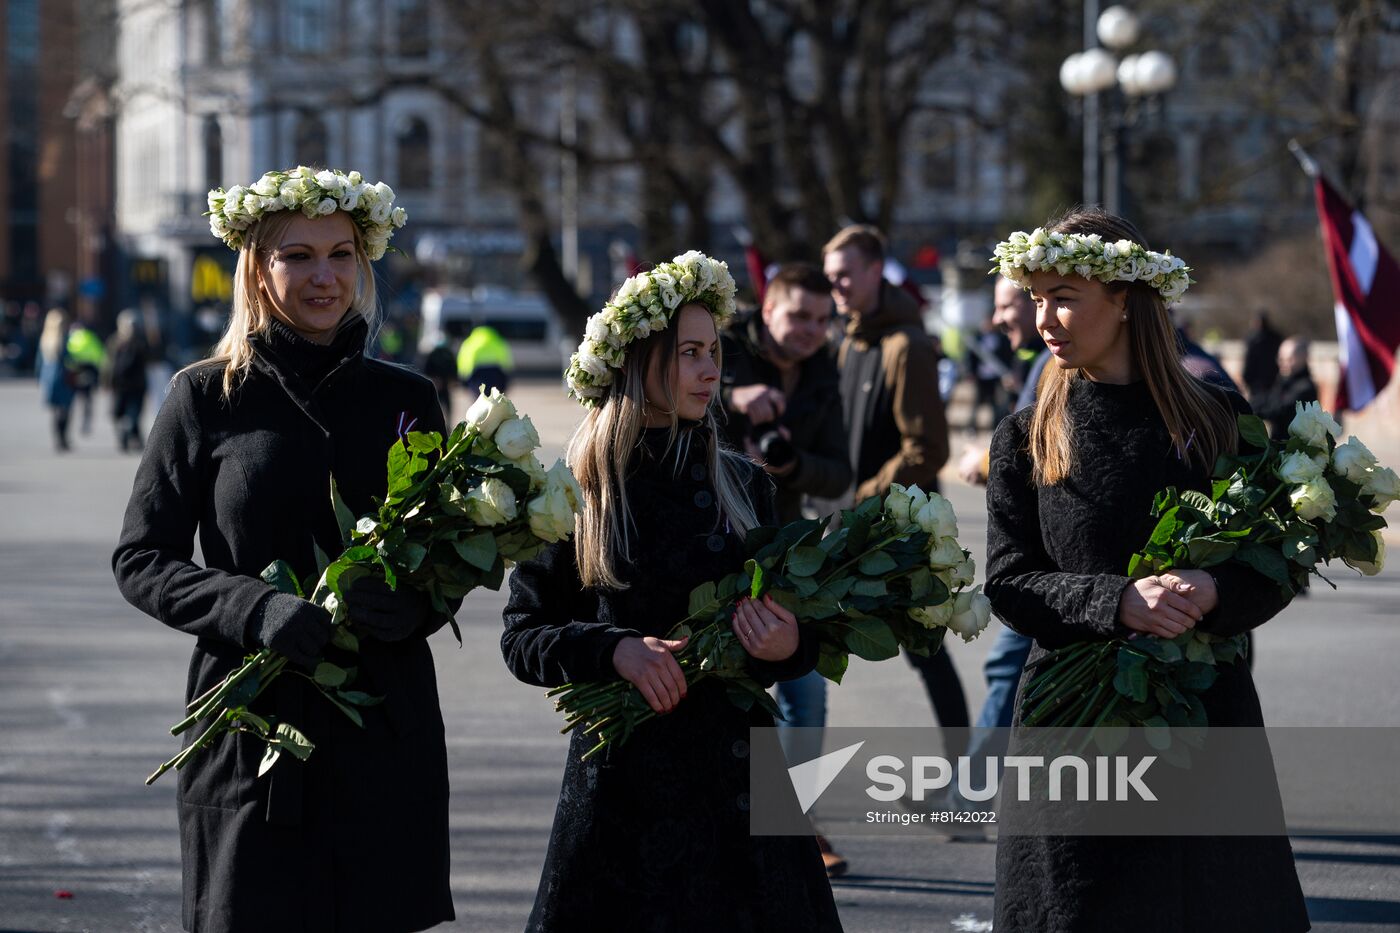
[{"x": 525, "y": 320}]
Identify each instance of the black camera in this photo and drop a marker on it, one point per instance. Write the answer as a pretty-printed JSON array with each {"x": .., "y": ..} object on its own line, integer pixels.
[{"x": 777, "y": 450}]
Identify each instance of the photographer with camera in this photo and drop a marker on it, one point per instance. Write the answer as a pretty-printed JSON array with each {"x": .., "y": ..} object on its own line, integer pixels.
[{"x": 781, "y": 392}]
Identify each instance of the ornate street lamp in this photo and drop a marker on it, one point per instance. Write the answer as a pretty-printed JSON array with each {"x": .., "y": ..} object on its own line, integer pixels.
[{"x": 1094, "y": 71}]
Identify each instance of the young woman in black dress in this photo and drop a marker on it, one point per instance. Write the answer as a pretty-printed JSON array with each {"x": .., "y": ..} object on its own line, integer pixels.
[
  {"x": 1069, "y": 501},
  {"x": 654, "y": 835}
]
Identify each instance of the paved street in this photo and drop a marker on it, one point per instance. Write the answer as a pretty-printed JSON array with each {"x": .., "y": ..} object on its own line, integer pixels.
[{"x": 88, "y": 687}]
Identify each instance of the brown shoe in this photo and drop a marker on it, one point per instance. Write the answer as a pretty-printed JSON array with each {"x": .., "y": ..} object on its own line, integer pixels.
[{"x": 835, "y": 864}]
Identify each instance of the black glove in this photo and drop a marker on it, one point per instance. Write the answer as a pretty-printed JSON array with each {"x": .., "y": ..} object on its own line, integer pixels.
[
  {"x": 388, "y": 615},
  {"x": 293, "y": 627}
]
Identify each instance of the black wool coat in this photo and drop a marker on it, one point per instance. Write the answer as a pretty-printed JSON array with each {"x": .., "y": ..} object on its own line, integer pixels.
[
  {"x": 355, "y": 838},
  {"x": 654, "y": 835},
  {"x": 1056, "y": 562}
]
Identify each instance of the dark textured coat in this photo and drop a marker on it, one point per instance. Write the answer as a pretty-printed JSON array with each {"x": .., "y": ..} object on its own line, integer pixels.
[
  {"x": 356, "y": 837},
  {"x": 654, "y": 836},
  {"x": 898, "y": 430},
  {"x": 1056, "y": 558},
  {"x": 813, "y": 415}
]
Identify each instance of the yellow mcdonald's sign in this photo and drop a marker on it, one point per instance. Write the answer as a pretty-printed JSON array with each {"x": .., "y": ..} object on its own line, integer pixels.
[{"x": 209, "y": 281}]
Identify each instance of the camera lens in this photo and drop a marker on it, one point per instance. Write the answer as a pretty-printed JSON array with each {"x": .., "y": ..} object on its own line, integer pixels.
[{"x": 777, "y": 450}]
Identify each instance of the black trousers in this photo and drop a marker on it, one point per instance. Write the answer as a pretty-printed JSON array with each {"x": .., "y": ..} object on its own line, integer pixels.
[{"x": 945, "y": 694}]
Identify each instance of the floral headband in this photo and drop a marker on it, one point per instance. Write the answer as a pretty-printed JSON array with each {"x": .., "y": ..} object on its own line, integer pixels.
[
  {"x": 316, "y": 194},
  {"x": 1089, "y": 256},
  {"x": 644, "y": 305}
]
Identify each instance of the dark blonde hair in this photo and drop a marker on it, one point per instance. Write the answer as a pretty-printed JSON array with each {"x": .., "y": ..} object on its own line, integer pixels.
[
  {"x": 602, "y": 451},
  {"x": 1200, "y": 426},
  {"x": 863, "y": 238}
]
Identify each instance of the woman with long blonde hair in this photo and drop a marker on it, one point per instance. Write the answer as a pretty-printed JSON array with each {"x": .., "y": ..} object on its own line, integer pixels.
[
  {"x": 653, "y": 835},
  {"x": 1069, "y": 500},
  {"x": 55, "y": 375},
  {"x": 242, "y": 454}
]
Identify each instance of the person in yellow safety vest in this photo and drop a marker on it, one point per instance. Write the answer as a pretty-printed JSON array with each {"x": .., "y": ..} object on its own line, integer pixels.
[
  {"x": 484, "y": 359},
  {"x": 88, "y": 357}
]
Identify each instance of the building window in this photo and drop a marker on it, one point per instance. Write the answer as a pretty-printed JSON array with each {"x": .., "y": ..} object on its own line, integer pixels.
[
  {"x": 415, "y": 156},
  {"x": 310, "y": 141},
  {"x": 939, "y": 165},
  {"x": 218, "y": 26},
  {"x": 213, "y": 153},
  {"x": 413, "y": 28},
  {"x": 306, "y": 25}
]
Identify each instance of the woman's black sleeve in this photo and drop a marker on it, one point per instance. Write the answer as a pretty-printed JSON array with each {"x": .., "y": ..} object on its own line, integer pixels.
[
  {"x": 153, "y": 559},
  {"x": 551, "y": 635},
  {"x": 1026, "y": 589}
]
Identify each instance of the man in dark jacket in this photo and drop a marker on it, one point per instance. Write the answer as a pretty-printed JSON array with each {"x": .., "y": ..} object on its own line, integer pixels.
[
  {"x": 782, "y": 396},
  {"x": 1294, "y": 384},
  {"x": 1261, "y": 346},
  {"x": 781, "y": 392},
  {"x": 898, "y": 429}
]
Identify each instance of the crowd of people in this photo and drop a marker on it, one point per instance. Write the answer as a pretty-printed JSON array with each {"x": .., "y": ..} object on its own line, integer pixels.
[{"x": 699, "y": 425}]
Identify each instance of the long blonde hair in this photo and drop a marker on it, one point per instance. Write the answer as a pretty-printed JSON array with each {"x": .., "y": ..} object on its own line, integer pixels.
[
  {"x": 604, "y": 447},
  {"x": 1200, "y": 426},
  {"x": 54, "y": 336},
  {"x": 251, "y": 317}
]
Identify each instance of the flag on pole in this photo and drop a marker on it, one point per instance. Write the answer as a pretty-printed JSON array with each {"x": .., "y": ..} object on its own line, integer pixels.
[{"x": 1366, "y": 286}]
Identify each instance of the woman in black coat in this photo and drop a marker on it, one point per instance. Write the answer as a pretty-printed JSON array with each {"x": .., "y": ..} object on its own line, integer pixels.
[
  {"x": 1069, "y": 501},
  {"x": 654, "y": 835},
  {"x": 242, "y": 454}
]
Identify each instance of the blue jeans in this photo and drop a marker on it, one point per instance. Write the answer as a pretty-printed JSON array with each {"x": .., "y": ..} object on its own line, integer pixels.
[
  {"x": 1003, "y": 672},
  {"x": 803, "y": 703}
]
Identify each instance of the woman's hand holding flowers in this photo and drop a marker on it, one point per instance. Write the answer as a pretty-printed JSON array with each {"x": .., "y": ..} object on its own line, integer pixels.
[
  {"x": 765, "y": 629},
  {"x": 1196, "y": 585},
  {"x": 647, "y": 664},
  {"x": 1153, "y": 606},
  {"x": 387, "y": 614}
]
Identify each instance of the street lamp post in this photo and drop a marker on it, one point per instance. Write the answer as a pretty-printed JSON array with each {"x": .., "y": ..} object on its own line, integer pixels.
[{"x": 1094, "y": 71}]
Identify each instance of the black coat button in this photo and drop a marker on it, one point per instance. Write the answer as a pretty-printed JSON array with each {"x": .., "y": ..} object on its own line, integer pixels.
[
  {"x": 740, "y": 749},
  {"x": 703, "y": 499},
  {"x": 715, "y": 543},
  {"x": 743, "y": 801},
  {"x": 697, "y": 472}
]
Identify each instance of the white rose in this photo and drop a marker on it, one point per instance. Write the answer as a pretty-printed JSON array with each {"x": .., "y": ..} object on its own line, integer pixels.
[
  {"x": 1083, "y": 271},
  {"x": 936, "y": 517},
  {"x": 233, "y": 201},
  {"x": 1353, "y": 460},
  {"x": 327, "y": 206},
  {"x": 1038, "y": 237},
  {"x": 1384, "y": 485},
  {"x": 897, "y": 503},
  {"x": 516, "y": 438},
  {"x": 1035, "y": 254},
  {"x": 1299, "y": 468},
  {"x": 971, "y": 612},
  {"x": 1314, "y": 500},
  {"x": 552, "y": 512},
  {"x": 489, "y": 412},
  {"x": 328, "y": 180},
  {"x": 399, "y": 217},
  {"x": 266, "y": 186},
  {"x": 350, "y": 199},
  {"x": 592, "y": 364},
  {"x": 380, "y": 212},
  {"x": 530, "y": 465},
  {"x": 948, "y": 553},
  {"x": 964, "y": 573},
  {"x": 1370, "y": 567},
  {"x": 491, "y": 503},
  {"x": 670, "y": 297},
  {"x": 1312, "y": 424},
  {"x": 933, "y": 616}
]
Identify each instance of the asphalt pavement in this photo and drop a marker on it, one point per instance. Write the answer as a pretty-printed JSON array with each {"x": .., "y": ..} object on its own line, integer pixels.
[{"x": 88, "y": 687}]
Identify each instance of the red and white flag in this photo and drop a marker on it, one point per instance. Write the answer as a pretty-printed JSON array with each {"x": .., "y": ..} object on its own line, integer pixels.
[{"x": 1366, "y": 285}]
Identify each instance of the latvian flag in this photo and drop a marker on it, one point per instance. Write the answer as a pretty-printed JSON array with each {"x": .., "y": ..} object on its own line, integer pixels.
[{"x": 1366, "y": 284}]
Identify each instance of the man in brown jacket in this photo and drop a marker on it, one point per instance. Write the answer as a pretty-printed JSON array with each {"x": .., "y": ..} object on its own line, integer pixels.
[
  {"x": 898, "y": 429},
  {"x": 889, "y": 370}
]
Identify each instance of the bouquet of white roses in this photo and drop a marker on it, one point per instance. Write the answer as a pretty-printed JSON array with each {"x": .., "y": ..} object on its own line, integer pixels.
[
  {"x": 893, "y": 576},
  {"x": 455, "y": 514},
  {"x": 1282, "y": 509}
]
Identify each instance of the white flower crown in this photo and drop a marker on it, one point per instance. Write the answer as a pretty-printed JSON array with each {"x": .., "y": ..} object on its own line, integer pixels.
[
  {"x": 316, "y": 194},
  {"x": 1089, "y": 256},
  {"x": 645, "y": 304}
]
